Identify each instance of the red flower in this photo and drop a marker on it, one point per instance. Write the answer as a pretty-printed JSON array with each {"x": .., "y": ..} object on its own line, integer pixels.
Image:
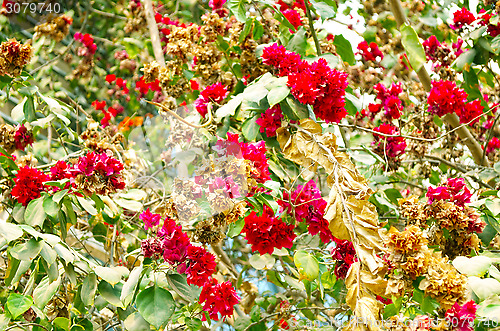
[
  {"x": 293, "y": 17},
  {"x": 390, "y": 100},
  {"x": 99, "y": 105},
  {"x": 23, "y": 137},
  {"x": 370, "y": 52},
  {"x": 201, "y": 265},
  {"x": 175, "y": 243},
  {"x": 471, "y": 112},
  {"x": 278, "y": 57},
  {"x": 216, "y": 4},
  {"x": 455, "y": 191},
  {"x": 150, "y": 220},
  {"x": 392, "y": 146},
  {"x": 28, "y": 184},
  {"x": 218, "y": 298},
  {"x": 445, "y": 98},
  {"x": 121, "y": 83},
  {"x": 270, "y": 121},
  {"x": 462, "y": 17},
  {"x": 462, "y": 317},
  {"x": 493, "y": 145},
  {"x": 309, "y": 206},
  {"x": 345, "y": 255},
  {"x": 60, "y": 171},
  {"x": 267, "y": 232},
  {"x": 215, "y": 93},
  {"x": 110, "y": 78}
]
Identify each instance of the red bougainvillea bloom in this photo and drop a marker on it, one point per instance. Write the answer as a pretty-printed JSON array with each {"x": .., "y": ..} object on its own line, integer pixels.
[
  {"x": 99, "y": 105},
  {"x": 214, "y": 93},
  {"x": 102, "y": 165},
  {"x": 390, "y": 99},
  {"x": 28, "y": 184},
  {"x": 309, "y": 206},
  {"x": 493, "y": 145},
  {"x": 493, "y": 29},
  {"x": 345, "y": 255},
  {"x": 286, "y": 62},
  {"x": 216, "y": 4},
  {"x": 175, "y": 243},
  {"x": 392, "y": 146},
  {"x": 23, "y": 137},
  {"x": 267, "y": 232},
  {"x": 293, "y": 17},
  {"x": 218, "y": 299},
  {"x": 150, "y": 220},
  {"x": 445, "y": 98},
  {"x": 151, "y": 248},
  {"x": 471, "y": 113},
  {"x": 370, "y": 52},
  {"x": 59, "y": 171},
  {"x": 462, "y": 17},
  {"x": 270, "y": 121},
  {"x": 462, "y": 317},
  {"x": 201, "y": 265},
  {"x": 431, "y": 46},
  {"x": 455, "y": 191}
]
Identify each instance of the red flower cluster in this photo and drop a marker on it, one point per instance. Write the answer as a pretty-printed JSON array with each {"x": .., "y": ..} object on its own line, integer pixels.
[
  {"x": 196, "y": 262},
  {"x": 109, "y": 114},
  {"x": 455, "y": 191},
  {"x": 270, "y": 121},
  {"x": 392, "y": 146},
  {"x": 345, "y": 255},
  {"x": 309, "y": 206},
  {"x": 267, "y": 232},
  {"x": 293, "y": 17},
  {"x": 144, "y": 87},
  {"x": 370, "y": 52},
  {"x": 218, "y": 298},
  {"x": 254, "y": 152},
  {"x": 390, "y": 100},
  {"x": 493, "y": 29},
  {"x": 464, "y": 315},
  {"x": 493, "y": 145},
  {"x": 440, "y": 53},
  {"x": 120, "y": 89},
  {"x": 23, "y": 137},
  {"x": 60, "y": 171},
  {"x": 445, "y": 98},
  {"x": 461, "y": 18},
  {"x": 314, "y": 83},
  {"x": 88, "y": 41},
  {"x": 103, "y": 166},
  {"x": 28, "y": 184},
  {"x": 215, "y": 93},
  {"x": 150, "y": 220}
]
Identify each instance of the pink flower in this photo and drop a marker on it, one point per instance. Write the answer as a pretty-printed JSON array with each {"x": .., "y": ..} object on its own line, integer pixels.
[
  {"x": 270, "y": 121},
  {"x": 215, "y": 93},
  {"x": 391, "y": 146},
  {"x": 23, "y": 137},
  {"x": 445, "y": 98},
  {"x": 462, "y": 316},
  {"x": 370, "y": 52},
  {"x": 150, "y": 220},
  {"x": 455, "y": 191},
  {"x": 493, "y": 145},
  {"x": 175, "y": 243},
  {"x": 293, "y": 17},
  {"x": 216, "y": 4},
  {"x": 28, "y": 184}
]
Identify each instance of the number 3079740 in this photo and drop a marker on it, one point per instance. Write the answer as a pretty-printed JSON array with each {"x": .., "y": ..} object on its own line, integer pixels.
[{"x": 32, "y": 7}]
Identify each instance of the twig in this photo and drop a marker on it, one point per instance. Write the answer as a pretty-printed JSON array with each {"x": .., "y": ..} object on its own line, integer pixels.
[
  {"x": 103, "y": 13},
  {"x": 180, "y": 118},
  {"x": 490, "y": 135},
  {"x": 311, "y": 26}
]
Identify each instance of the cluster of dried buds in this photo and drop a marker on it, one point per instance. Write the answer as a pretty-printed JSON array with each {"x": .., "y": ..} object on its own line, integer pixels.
[
  {"x": 13, "y": 57},
  {"x": 56, "y": 28}
]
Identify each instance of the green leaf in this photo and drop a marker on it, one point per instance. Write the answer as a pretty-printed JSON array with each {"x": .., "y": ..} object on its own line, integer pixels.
[
  {"x": 111, "y": 275},
  {"x": 27, "y": 251},
  {"x": 10, "y": 231},
  {"x": 130, "y": 285},
  {"x": 89, "y": 288},
  {"x": 50, "y": 207},
  {"x": 465, "y": 59},
  {"x": 325, "y": 10},
  {"x": 393, "y": 195},
  {"x": 17, "y": 304},
  {"x": 129, "y": 204},
  {"x": 17, "y": 113},
  {"x": 250, "y": 128},
  {"x": 237, "y": 7},
  {"x": 307, "y": 264},
  {"x": 87, "y": 205},
  {"x": 277, "y": 94},
  {"x": 44, "y": 291},
  {"x": 61, "y": 324},
  {"x": 261, "y": 262},
  {"x": 156, "y": 305},
  {"x": 135, "y": 322},
  {"x": 235, "y": 228},
  {"x": 298, "y": 43},
  {"x": 344, "y": 49},
  {"x": 246, "y": 29},
  {"x": 413, "y": 47},
  {"x": 29, "y": 109},
  {"x": 474, "y": 266},
  {"x": 179, "y": 284},
  {"x": 35, "y": 214},
  {"x": 258, "y": 30},
  {"x": 111, "y": 293}
]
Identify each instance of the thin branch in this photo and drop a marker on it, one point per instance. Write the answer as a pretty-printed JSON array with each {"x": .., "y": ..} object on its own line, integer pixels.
[
  {"x": 154, "y": 33},
  {"x": 103, "y": 13},
  {"x": 311, "y": 27},
  {"x": 180, "y": 118},
  {"x": 490, "y": 135}
]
